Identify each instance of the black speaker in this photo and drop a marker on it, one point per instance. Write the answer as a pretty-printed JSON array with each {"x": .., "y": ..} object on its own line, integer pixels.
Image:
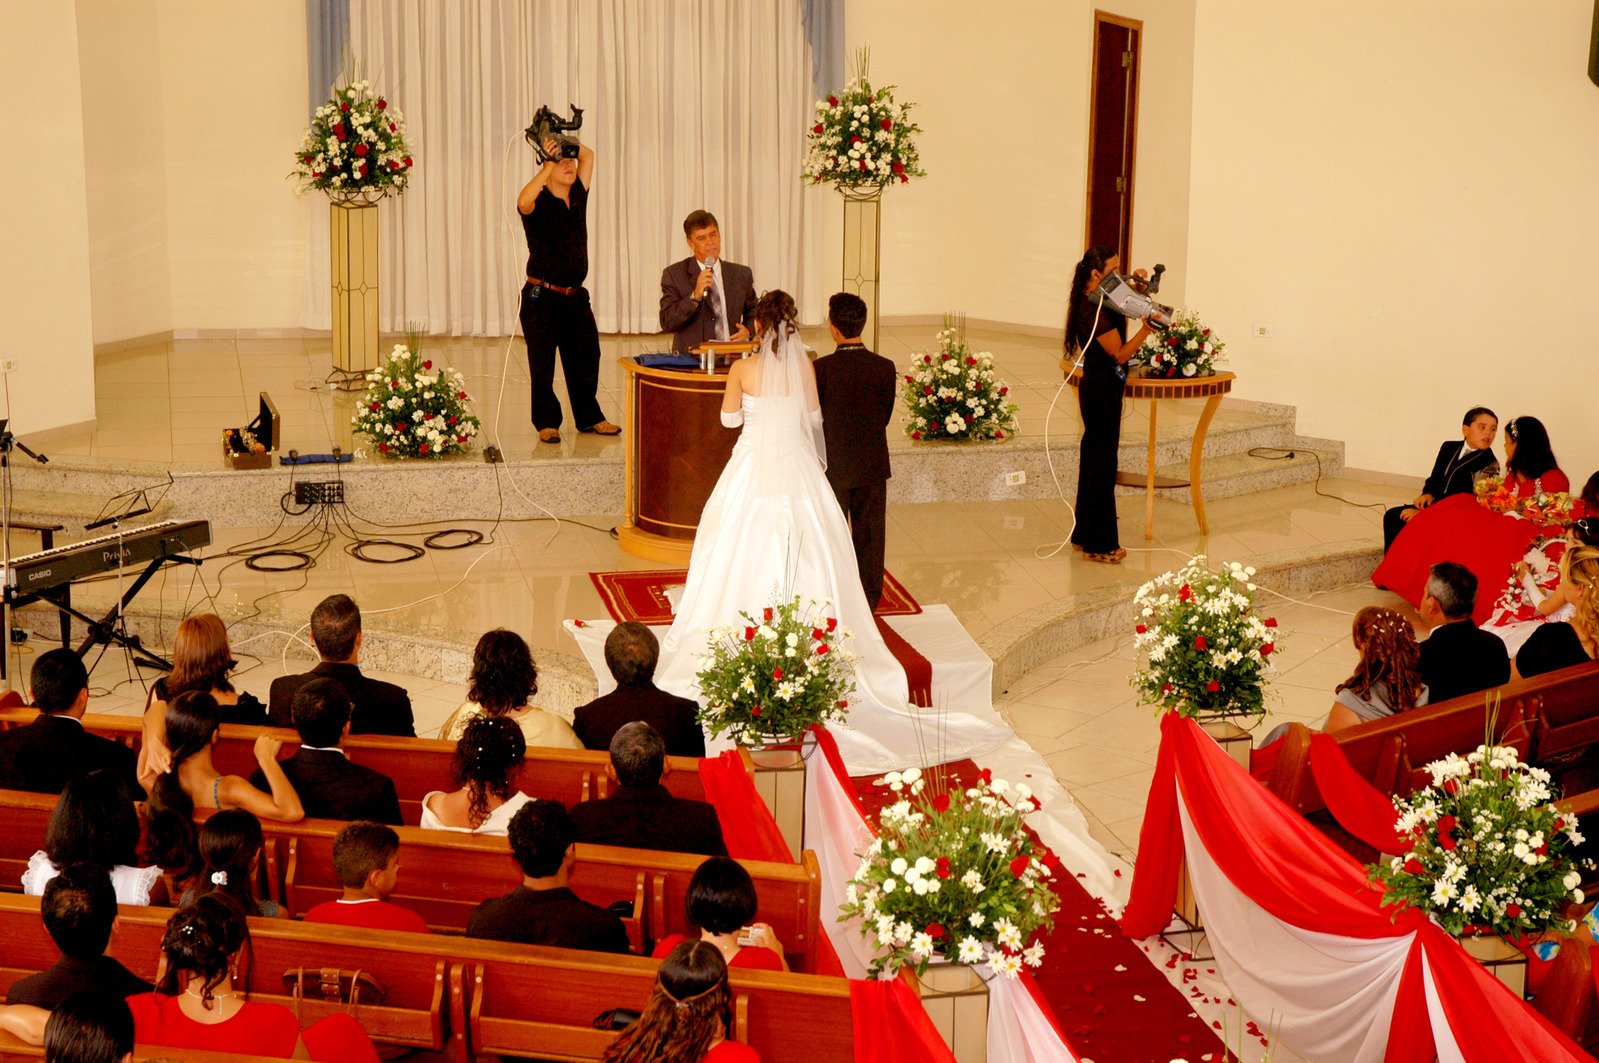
[{"x": 1593, "y": 47}]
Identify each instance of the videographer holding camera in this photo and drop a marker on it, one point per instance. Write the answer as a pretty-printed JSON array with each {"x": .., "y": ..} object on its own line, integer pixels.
[{"x": 556, "y": 312}]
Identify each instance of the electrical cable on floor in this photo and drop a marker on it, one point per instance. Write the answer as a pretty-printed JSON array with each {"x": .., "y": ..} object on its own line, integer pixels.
[{"x": 1284, "y": 454}]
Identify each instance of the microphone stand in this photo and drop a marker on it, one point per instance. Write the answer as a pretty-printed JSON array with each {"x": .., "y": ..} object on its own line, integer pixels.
[{"x": 7, "y": 441}]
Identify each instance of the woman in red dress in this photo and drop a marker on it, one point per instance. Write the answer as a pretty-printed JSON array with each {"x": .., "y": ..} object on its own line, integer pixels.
[
  {"x": 721, "y": 902},
  {"x": 689, "y": 1014}
]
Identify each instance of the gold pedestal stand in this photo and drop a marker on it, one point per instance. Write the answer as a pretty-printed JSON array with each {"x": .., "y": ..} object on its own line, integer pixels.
[
  {"x": 353, "y": 249},
  {"x": 863, "y": 245}
]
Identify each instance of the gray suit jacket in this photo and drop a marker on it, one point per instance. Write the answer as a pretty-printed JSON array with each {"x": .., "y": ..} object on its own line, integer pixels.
[{"x": 693, "y": 323}]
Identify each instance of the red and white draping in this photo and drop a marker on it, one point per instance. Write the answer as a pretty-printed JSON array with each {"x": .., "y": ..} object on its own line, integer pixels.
[
  {"x": 1020, "y": 1028},
  {"x": 1300, "y": 935}
]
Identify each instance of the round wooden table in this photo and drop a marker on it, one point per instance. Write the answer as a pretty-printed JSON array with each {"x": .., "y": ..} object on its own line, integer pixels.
[{"x": 1211, "y": 389}]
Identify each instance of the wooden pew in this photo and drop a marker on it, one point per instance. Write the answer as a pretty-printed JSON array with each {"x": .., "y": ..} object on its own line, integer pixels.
[
  {"x": 417, "y": 765},
  {"x": 14, "y": 1051}
]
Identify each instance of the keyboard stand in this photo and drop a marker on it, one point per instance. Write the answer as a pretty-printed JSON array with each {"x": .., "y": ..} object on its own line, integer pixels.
[{"x": 58, "y": 595}]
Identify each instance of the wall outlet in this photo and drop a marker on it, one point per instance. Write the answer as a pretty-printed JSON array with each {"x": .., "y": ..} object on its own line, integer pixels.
[
  {"x": 1015, "y": 523},
  {"x": 1263, "y": 332},
  {"x": 1015, "y": 479},
  {"x": 7, "y": 365}
]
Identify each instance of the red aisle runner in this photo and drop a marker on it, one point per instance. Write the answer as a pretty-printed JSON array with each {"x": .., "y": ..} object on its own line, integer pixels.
[
  {"x": 641, "y": 595},
  {"x": 1107, "y": 997}
]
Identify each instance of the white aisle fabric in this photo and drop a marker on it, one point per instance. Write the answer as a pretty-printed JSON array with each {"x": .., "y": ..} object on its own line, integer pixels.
[{"x": 689, "y": 104}]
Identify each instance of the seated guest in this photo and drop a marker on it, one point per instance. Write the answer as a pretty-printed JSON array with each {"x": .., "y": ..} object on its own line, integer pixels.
[
  {"x": 366, "y": 858},
  {"x": 43, "y": 755},
  {"x": 230, "y": 863},
  {"x": 95, "y": 824},
  {"x": 90, "y": 1028},
  {"x": 1458, "y": 657},
  {"x": 193, "y": 781},
  {"x": 1453, "y": 471},
  {"x": 643, "y": 814},
  {"x": 195, "y": 1004},
  {"x": 631, "y": 652},
  {"x": 201, "y": 660},
  {"x": 543, "y": 910},
  {"x": 79, "y": 912},
  {"x": 330, "y": 787},
  {"x": 1530, "y": 460},
  {"x": 503, "y": 679},
  {"x": 488, "y": 758},
  {"x": 721, "y": 902},
  {"x": 702, "y": 297},
  {"x": 1388, "y": 678},
  {"x": 1560, "y": 644},
  {"x": 688, "y": 1016},
  {"x": 380, "y": 708}
]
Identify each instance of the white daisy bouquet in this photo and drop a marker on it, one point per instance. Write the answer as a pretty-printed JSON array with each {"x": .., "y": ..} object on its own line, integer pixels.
[
  {"x": 952, "y": 393},
  {"x": 776, "y": 676},
  {"x": 1202, "y": 649},
  {"x": 861, "y": 138},
  {"x": 1491, "y": 851},
  {"x": 355, "y": 147},
  {"x": 413, "y": 410},
  {"x": 1187, "y": 348},
  {"x": 953, "y": 874}
]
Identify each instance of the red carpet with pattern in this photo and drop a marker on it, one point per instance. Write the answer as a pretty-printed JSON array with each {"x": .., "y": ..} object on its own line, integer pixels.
[{"x": 641, "y": 595}]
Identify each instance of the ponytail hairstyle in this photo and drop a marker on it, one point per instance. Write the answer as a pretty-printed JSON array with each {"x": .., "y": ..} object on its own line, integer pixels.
[
  {"x": 776, "y": 313},
  {"x": 229, "y": 843},
  {"x": 1389, "y": 654},
  {"x": 690, "y": 1007},
  {"x": 1093, "y": 259},
  {"x": 488, "y": 753},
  {"x": 200, "y": 942},
  {"x": 1534, "y": 455},
  {"x": 191, "y": 724}
]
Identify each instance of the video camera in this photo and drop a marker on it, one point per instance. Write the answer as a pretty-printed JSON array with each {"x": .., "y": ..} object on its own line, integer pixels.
[
  {"x": 1131, "y": 296},
  {"x": 546, "y": 125}
]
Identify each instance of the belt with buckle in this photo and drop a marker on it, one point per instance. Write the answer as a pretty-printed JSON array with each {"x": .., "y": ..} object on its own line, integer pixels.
[{"x": 556, "y": 288}]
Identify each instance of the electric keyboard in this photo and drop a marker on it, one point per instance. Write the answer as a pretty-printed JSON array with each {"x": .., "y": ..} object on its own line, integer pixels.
[{"x": 30, "y": 574}]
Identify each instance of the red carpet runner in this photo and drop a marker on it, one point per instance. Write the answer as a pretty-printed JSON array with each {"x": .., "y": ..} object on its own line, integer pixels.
[
  {"x": 641, "y": 595},
  {"x": 1112, "y": 1003}
]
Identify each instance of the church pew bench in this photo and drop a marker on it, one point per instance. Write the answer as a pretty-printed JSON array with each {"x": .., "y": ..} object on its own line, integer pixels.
[{"x": 13, "y": 1050}]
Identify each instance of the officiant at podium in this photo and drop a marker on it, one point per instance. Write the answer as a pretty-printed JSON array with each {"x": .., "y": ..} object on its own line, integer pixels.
[{"x": 702, "y": 297}]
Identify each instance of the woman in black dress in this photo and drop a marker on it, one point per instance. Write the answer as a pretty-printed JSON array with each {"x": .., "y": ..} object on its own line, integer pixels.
[{"x": 1096, "y": 338}]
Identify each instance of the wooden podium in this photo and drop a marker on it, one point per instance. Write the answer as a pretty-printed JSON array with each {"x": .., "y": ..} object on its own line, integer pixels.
[{"x": 675, "y": 453}]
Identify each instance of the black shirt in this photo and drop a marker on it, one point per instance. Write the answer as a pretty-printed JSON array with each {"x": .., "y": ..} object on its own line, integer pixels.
[
  {"x": 1460, "y": 658},
  {"x": 1085, "y": 330},
  {"x": 1549, "y": 649},
  {"x": 101, "y": 975},
  {"x": 558, "y": 237},
  {"x": 548, "y": 917},
  {"x": 249, "y": 709}
]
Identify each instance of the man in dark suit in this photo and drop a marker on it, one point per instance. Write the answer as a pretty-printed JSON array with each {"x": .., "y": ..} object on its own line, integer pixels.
[
  {"x": 1453, "y": 471},
  {"x": 79, "y": 910},
  {"x": 856, "y": 388},
  {"x": 43, "y": 756},
  {"x": 330, "y": 787},
  {"x": 1458, "y": 657},
  {"x": 702, "y": 297},
  {"x": 543, "y": 910},
  {"x": 380, "y": 708},
  {"x": 631, "y": 653},
  {"x": 643, "y": 814}
]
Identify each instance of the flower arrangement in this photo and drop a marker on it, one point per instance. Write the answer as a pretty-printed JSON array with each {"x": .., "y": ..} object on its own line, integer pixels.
[
  {"x": 776, "y": 676},
  {"x": 1187, "y": 348},
  {"x": 861, "y": 137},
  {"x": 412, "y": 410},
  {"x": 1491, "y": 851},
  {"x": 355, "y": 147},
  {"x": 956, "y": 874},
  {"x": 1555, "y": 509},
  {"x": 1202, "y": 648},
  {"x": 952, "y": 393}
]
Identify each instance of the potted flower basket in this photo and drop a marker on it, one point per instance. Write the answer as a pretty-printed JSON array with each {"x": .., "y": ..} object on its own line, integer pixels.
[
  {"x": 413, "y": 409},
  {"x": 951, "y": 393},
  {"x": 1185, "y": 349}
]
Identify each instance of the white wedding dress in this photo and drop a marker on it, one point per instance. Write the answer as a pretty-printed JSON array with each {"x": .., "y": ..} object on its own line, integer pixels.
[{"x": 773, "y": 527}]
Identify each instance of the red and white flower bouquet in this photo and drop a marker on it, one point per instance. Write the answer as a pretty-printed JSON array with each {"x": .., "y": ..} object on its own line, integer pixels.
[
  {"x": 413, "y": 410},
  {"x": 862, "y": 139},
  {"x": 355, "y": 147}
]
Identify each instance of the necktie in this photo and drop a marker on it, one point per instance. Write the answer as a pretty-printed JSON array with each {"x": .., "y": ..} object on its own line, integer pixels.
[{"x": 716, "y": 309}]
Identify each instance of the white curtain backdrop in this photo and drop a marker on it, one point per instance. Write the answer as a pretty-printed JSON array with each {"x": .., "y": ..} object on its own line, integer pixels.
[{"x": 688, "y": 104}]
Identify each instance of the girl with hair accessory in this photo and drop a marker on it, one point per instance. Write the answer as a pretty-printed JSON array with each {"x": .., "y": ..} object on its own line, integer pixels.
[
  {"x": 504, "y": 679},
  {"x": 193, "y": 781},
  {"x": 688, "y": 1016},
  {"x": 230, "y": 857},
  {"x": 1561, "y": 644},
  {"x": 488, "y": 757},
  {"x": 196, "y": 1004},
  {"x": 1388, "y": 678},
  {"x": 95, "y": 822},
  {"x": 1530, "y": 459}
]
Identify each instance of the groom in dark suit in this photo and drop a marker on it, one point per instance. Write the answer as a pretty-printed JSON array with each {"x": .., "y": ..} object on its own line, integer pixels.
[
  {"x": 1453, "y": 471},
  {"x": 702, "y": 297},
  {"x": 856, "y": 388},
  {"x": 330, "y": 787}
]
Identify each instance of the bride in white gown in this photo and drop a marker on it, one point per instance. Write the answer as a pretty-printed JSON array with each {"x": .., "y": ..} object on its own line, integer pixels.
[{"x": 773, "y": 527}]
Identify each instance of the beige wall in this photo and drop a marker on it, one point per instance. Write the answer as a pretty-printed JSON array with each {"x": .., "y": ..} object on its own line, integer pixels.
[
  {"x": 44, "y": 230},
  {"x": 1406, "y": 193}
]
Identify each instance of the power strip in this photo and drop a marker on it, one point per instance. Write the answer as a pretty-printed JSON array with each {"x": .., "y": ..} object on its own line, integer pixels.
[{"x": 319, "y": 493}]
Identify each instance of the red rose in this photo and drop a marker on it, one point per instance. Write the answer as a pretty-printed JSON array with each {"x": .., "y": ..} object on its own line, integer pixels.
[
  {"x": 338, "y": 130},
  {"x": 1200, "y": 643},
  {"x": 777, "y": 673},
  {"x": 362, "y": 171},
  {"x": 1019, "y": 865},
  {"x": 944, "y": 357},
  {"x": 843, "y": 704},
  {"x": 821, "y": 648},
  {"x": 1542, "y": 850},
  {"x": 407, "y": 161},
  {"x": 427, "y": 364},
  {"x": 897, "y": 167},
  {"x": 832, "y": 101},
  {"x": 887, "y": 124},
  {"x": 401, "y": 427},
  {"x": 1413, "y": 866},
  {"x": 854, "y": 138},
  {"x": 756, "y": 711},
  {"x": 1213, "y": 686},
  {"x": 1165, "y": 688},
  {"x": 868, "y": 99},
  {"x": 1005, "y": 390},
  {"x": 424, "y": 449},
  {"x": 936, "y": 930},
  {"x": 460, "y": 439},
  {"x": 393, "y": 165},
  {"x": 1265, "y": 650},
  {"x": 916, "y": 435},
  {"x": 1271, "y": 621},
  {"x": 375, "y": 407},
  {"x": 384, "y": 447},
  {"x": 345, "y": 107},
  {"x": 927, "y": 389},
  {"x": 383, "y": 104},
  {"x": 832, "y": 624},
  {"x": 943, "y": 867},
  {"x": 817, "y": 128},
  {"x": 941, "y": 804},
  {"x": 393, "y": 128},
  {"x": 1560, "y": 824},
  {"x": 904, "y": 180},
  {"x": 818, "y": 634},
  {"x": 863, "y": 164},
  {"x": 454, "y": 419},
  {"x": 1204, "y": 332},
  {"x": 969, "y": 418},
  {"x": 999, "y": 435},
  {"x": 970, "y": 360},
  {"x": 1183, "y": 593},
  {"x": 1451, "y": 787},
  {"x": 766, "y": 614},
  {"x": 361, "y": 150},
  {"x": 1513, "y": 910},
  {"x": 1171, "y": 341},
  {"x": 927, "y": 359},
  {"x": 1447, "y": 842},
  {"x": 1447, "y": 822},
  {"x": 749, "y": 634},
  {"x": 460, "y": 394},
  {"x": 1140, "y": 629}
]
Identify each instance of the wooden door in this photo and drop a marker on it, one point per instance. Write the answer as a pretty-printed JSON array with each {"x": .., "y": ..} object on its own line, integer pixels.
[{"x": 1113, "y": 133}]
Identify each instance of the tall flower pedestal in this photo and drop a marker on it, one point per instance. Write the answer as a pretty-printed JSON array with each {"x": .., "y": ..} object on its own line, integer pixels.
[
  {"x": 353, "y": 250},
  {"x": 1189, "y": 936},
  {"x": 1234, "y": 740},
  {"x": 1498, "y": 957},
  {"x": 863, "y": 244},
  {"x": 956, "y": 999},
  {"x": 780, "y": 780}
]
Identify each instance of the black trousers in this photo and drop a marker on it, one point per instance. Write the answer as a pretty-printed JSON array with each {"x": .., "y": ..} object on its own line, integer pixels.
[
  {"x": 1100, "y": 399},
  {"x": 867, "y": 509},
  {"x": 1392, "y": 525},
  {"x": 550, "y": 322}
]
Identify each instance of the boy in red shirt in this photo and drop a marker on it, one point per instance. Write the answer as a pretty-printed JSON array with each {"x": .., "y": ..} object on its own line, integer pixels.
[{"x": 366, "y": 858}]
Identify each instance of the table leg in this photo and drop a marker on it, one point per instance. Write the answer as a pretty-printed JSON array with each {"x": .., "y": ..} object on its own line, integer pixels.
[
  {"x": 1149, "y": 477},
  {"x": 1198, "y": 447}
]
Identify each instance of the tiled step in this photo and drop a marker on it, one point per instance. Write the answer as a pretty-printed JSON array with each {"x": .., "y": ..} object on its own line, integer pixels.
[{"x": 1231, "y": 475}]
